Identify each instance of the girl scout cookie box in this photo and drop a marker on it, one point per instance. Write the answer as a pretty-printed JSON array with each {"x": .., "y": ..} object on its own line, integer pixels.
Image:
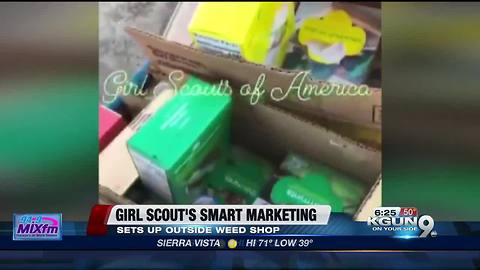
[
  {"x": 173, "y": 143},
  {"x": 255, "y": 31}
]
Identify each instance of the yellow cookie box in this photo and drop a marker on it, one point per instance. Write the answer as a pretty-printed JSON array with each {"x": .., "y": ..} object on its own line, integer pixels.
[
  {"x": 255, "y": 31},
  {"x": 335, "y": 27}
]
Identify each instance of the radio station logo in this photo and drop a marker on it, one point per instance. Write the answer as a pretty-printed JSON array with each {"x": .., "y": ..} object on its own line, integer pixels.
[
  {"x": 402, "y": 221},
  {"x": 37, "y": 227}
]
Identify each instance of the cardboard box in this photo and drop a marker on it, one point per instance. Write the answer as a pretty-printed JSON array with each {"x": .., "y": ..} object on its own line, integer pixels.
[
  {"x": 325, "y": 112},
  {"x": 270, "y": 128},
  {"x": 371, "y": 201},
  {"x": 176, "y": 140},
  {"x": 111, "y": 123},
  {"x": 357, "y": 110}
]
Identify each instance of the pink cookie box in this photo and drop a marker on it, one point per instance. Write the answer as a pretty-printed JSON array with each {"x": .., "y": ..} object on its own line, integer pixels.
[{"x": 110, "y": 124}]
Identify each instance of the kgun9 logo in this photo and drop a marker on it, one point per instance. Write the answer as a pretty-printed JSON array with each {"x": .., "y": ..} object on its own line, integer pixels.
[
  {"x": 396, "y": 223},
  {"x": 427, "y": 229}
]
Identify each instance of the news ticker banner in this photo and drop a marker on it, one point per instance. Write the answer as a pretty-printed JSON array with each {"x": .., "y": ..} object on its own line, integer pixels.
[{"x": 238, "y": 227}]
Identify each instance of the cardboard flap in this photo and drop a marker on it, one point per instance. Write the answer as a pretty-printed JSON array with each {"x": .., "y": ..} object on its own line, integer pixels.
[
  {"x": 279, "y": 132},
  {"x": 372, "y": 200},
  {"x": 359, "y": 110}
]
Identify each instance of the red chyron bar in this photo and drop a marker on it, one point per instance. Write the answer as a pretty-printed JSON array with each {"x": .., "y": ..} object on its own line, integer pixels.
[
  {"x": 97, "y": 223},
  {"x": 104, "y": 215}
]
